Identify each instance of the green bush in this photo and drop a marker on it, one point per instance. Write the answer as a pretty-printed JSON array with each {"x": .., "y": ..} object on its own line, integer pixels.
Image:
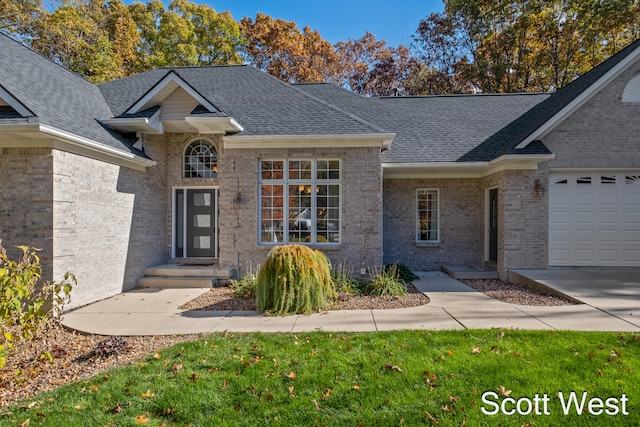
[
  {"x": 24, "y": 304},
  {"x": 245, "y": 287},
  {"x": 294, "y": 279},
  {"x": 402, "y": 271},
  {"x": 386, "y": 283}
]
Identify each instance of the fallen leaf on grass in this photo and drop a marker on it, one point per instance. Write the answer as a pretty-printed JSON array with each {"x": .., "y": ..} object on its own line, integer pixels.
[
  {"x": 176, "y": 367},
  {"x": 356, "y": 387},
  {"x": 291, "y": 375},
  {"x": 476, "y": 350},
  {"x": 25, "y": 423},
  {"x": 392, "y": 368},
  {"x": 447, "y": 408},
  {"x": 432, "y": 418},
  {"x": 142, "y": 419},
  {"x": 503, "y": 391},
  {"x": 315, "y": 402},
  {"x": 326, "y": 394},
  {"x": 147, "y": 394},
  {"x": 453, "y": 398}
]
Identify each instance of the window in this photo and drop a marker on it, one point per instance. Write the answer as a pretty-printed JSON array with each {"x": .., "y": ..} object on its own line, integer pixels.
[
  {"x": 299, "y": 201},
  {"x": 428, "y": 215},
  {"x": 200, "y": 160}
]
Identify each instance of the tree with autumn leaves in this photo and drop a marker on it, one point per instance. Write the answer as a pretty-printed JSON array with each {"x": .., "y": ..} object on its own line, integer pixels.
[{"x": 472, "y": 46}]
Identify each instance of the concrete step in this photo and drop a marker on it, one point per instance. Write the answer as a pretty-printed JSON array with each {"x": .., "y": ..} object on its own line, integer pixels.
[
  {"x": 470, "y": 272},
  {"x": 177, "y": 282},
  {"x": 175, "y": 270},
  {"x": 185, "y": 276}
]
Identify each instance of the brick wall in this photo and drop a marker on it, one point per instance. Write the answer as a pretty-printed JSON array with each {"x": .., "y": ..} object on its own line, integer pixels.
[
  {"x": 603, "y": 133},
  {"x": 523, "y": 232},
  {"x": 26, "y": 194},
  {"x": 107, "y": 224},
  {"x": 361, "y": 245},
  {"x": 461, "y": 223},
  {"x": 170, "y": 158}
]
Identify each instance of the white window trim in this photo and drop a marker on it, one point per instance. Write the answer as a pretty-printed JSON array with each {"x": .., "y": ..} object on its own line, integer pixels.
[
  {"x": 286, "y": 182},
  {"x": 184, "y": 155},
  {"x": 417, "y": 223}
]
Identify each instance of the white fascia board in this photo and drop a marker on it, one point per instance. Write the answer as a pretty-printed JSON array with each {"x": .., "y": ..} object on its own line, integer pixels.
[
  {"x": 381, "y": 140},
  {"x": 56, "y": 138},
  {"x": 170, "y": 78},
  {"x": 137, "y": 124},
  {"x": 15, "y": 104},
  {"x": 214, "y": 124},
  {"x": 463, "y": 169},
  {"x": 580, "y": 100}
]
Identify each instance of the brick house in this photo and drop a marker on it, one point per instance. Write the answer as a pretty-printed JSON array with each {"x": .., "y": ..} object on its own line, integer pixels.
[{"x": 216, "y": 165}]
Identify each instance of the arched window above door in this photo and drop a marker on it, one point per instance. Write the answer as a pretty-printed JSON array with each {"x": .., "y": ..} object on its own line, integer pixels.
[{"x": 200, "y": 160}]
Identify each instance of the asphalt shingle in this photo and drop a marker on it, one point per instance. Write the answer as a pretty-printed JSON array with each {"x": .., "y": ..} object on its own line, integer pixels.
[{"x": 57, "y": 97}]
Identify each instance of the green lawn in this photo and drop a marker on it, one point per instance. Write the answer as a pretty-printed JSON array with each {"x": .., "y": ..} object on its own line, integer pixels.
[{"x": 449, "y": 378}]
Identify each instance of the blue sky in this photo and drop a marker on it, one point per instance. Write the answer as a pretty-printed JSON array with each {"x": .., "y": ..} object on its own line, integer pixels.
[{"x": 338, "y": 20}]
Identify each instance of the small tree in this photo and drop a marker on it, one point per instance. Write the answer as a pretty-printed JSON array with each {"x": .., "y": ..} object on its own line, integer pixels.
[
  {"x": 24, "y": 305},
  {"x": 294, "y": 279}
]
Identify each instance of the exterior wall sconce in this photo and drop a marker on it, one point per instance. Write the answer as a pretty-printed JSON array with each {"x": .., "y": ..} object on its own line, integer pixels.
[{"x": 538, "y": 188}]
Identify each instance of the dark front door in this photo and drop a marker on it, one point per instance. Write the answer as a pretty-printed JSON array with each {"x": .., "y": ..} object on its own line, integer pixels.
[
  {"x": 196, "y": 218},
  {"x": 493, "y": 225}
]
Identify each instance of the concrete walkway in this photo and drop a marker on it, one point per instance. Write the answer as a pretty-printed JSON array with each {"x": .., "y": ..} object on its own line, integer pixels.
[{"x": 453, "y": 306}]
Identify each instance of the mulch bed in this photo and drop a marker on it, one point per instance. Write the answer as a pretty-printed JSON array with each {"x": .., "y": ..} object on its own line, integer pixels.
[{"x": 222, "y": 298}]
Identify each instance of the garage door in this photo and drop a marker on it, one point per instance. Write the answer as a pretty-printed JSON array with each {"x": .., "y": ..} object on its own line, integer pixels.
[{"x": 594, "y": 219}]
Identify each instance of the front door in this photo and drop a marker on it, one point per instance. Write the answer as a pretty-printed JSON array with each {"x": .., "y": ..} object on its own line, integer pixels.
[
  {"x": 196, "y": 223},
  {"x": 493, "y": 225}
]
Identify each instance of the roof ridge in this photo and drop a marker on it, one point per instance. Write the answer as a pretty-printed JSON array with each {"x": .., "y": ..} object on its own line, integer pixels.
[
  {"x": 47, "y": 58},
  {"x": 338, "y": 109}
]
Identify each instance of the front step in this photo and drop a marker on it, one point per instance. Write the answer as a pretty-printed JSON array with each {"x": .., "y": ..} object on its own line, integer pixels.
[
  {"x": 468, "y": 272},
  {"x": 181, "y": 276}
]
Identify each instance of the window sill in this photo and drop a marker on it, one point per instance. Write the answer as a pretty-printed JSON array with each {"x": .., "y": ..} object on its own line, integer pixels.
[
  {"x": 428, "y": 244},
  {"x": 319, "y": 247}
]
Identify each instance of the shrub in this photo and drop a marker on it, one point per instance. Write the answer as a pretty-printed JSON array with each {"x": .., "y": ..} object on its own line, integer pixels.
[
  {"x": 294, "y": 279},
  {"x": 403, "y": 272},
  {"x": 245, "y": 287},
  {"x": 24, "y": 304},
  {"x": 342, "y": 280},
  {"x": 386, "y": 283}
]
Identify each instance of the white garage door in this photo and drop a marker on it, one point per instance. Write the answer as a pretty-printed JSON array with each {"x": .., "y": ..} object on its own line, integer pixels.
[{"x": 594, "y": 219}]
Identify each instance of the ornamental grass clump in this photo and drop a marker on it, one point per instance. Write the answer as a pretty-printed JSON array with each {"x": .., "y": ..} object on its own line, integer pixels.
[{"x": 294, "y": 279}]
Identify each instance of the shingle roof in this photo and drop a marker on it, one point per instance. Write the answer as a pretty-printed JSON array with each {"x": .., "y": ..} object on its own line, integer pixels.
[
  {"x": 57, "y": 97},
  {"x": 262, "y": 104},
  {"x": 434, "y": 128},
  {"x": 505, "y": 141}
]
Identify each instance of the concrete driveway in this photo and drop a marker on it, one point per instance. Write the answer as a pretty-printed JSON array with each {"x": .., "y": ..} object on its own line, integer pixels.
[{"x": 614, "y": 291}]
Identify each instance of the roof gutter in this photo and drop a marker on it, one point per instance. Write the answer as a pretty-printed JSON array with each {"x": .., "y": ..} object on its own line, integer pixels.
[
  {"x": 76, "y": 144},
  {"x": 464, "y": 169},
  {"x": 378, "y": 140}
]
